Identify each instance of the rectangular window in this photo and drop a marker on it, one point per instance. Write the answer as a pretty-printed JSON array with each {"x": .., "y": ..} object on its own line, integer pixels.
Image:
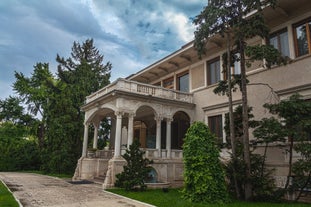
[
  {"x": 213, "y": 71},
  {"x": 279, "y": 40},
  {"x": 236, "y": 70},
  {"x": 169, "y": 83},
  {"x": 235, "y": 66},
  {"x": 215, "y": 125},
  {"x": 183, "y": 82},
  {"x": 302, "y": 34}
]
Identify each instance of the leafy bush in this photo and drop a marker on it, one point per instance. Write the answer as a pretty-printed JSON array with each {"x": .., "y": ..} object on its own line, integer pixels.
[
  {"x": 203, "y": 173},
  {"x": 136, "y": 170}
]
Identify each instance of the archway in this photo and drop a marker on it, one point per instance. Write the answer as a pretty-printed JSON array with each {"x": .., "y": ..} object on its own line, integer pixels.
[
  {"x": 145, "y": 127},
  {"x": 180, "y": 125}
]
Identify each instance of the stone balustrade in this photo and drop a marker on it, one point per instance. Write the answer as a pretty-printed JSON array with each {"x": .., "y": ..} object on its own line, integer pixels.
[
  {"x": 150, "y": 153},
  {"x": 141, "y": 88}
]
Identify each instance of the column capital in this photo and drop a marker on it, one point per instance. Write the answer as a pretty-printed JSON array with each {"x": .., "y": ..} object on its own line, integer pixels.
[
  {"x": 119, "y": 113},
  {"x": 131, "y": 114},
  {"x": 158, "y": 118},
  {"x": 169, "y": 119}
]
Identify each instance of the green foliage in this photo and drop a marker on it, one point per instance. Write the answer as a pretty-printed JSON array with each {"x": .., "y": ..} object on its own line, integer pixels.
[
  {"x": 203, "y": 173},
  {"x": 18, "y": 151},
  {"x": 269, "y": 130},
  {"x": 19, "y": 148},
  {"x": 261, "y": 176},
  {"x": 79, "y": 75},
  {"x": 302, "y": 169},
  {"x": 263, "y": 188},
  {"x": 295, "y": 123},
  {"x": 58, "y": 100},
  {"x": 136, "y": 169}
]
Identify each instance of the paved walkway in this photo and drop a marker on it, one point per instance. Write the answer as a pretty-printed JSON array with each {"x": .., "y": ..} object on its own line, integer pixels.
[{"x": 33, "y": 190}]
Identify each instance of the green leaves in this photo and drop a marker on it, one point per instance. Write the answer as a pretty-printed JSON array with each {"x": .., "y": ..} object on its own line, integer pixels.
[
  {"x": 203, "y": 174},
  {"x": 136, "y": 170}
]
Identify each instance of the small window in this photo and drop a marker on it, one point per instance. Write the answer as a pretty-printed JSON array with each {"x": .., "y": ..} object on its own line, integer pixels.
[
  {"x": 169, "y": 83},
  {"x": 213, "y": 71},
  {"x": 302, "y": 39},
  {"x": 236, "y": 69},
  {"x": 235, "y": 65},
  {"x": 215, "y": 125},
  {"x": 183, "y": 82},
  {"x": 279, "y": 40}
]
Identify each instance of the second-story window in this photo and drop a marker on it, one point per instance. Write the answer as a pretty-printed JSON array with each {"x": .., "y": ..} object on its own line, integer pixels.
[
  {"x": 302, "y": 34},
  {"x": 213, "y": 71},
  {"x": 236, "y": 69},
  {"x": 183, "y": 82},
  {"x": 279, "y": 40},
  {"x": 169, "y": 83}
]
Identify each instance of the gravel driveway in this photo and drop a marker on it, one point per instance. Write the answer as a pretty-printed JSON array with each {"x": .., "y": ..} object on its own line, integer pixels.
[{"x": 34, "y": 190}]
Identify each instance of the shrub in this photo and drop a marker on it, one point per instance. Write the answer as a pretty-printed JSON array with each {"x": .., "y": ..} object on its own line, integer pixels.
[
  {"x": 136, "y": 170},
  {"x": 203, "y": 173}
]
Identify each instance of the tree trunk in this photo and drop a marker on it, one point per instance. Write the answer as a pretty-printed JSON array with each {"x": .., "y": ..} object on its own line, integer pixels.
[
  {"x": 290, "y": 163},
  {"x": 248, "y": 185},
  {"x": 231, "y": 119}
]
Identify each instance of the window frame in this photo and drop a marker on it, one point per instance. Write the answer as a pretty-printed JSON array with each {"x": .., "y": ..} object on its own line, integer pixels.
[
  {"x": 167, "y": 80},
  {"x": 178, "y": 76},
  {"x": 279, "y": 45},
  {"x": 208, "y": 71},
  {"x": 306, "y": 23},
  {"x": 219, "y": 126}
]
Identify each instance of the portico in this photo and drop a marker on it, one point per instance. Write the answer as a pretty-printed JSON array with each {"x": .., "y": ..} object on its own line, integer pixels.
[{"x": 139, "y": 111}]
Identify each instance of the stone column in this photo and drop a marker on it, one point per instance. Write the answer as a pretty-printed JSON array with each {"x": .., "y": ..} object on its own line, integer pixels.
[
  {"x": 85, "y": 139},
  {"x": 130, "y": 130},
  {"x": 168, "y": 137},
  {"x": 96, "y": 126},
  {"x": 117, "y": 144},
  {"x": 158, "y": 136}
]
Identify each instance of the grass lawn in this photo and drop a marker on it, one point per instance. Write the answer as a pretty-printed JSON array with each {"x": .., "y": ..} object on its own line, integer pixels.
[
  {"x": 173, "y": 198},
  {"x": 6, "y": 198}
]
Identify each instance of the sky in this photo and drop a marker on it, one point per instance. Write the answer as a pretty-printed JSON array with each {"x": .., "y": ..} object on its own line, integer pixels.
[{"x": 131, "y": 34}]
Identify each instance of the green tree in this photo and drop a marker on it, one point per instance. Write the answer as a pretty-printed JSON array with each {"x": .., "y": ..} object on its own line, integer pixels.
[
  {"x": 269, "y": 130},
  {"x": 136, "y": 170},
  {"x": 18, "y": 143},
  {"x": 78, "y": 76},
  {"x": 35, "y": 91},
  {"x": 203, "y": 174},
  {"x": 295, "y": 115},
  {"x": 229, "y": 17}
]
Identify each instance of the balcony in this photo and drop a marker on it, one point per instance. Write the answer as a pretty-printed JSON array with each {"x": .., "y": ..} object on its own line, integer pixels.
[{"x": 142, "y": 89}]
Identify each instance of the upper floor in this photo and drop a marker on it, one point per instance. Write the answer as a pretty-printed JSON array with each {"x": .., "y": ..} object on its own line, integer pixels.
[{"x": 290, "y": 26}]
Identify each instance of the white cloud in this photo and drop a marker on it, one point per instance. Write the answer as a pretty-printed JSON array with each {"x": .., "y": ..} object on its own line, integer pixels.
[{"x": 131, "y": 34}]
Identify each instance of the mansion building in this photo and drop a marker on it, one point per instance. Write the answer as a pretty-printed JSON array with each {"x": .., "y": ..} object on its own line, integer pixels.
[{"x": 157, "y": 104}]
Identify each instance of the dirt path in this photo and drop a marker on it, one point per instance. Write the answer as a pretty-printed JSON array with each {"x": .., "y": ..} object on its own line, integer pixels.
[{"x": 34, "y": 190}]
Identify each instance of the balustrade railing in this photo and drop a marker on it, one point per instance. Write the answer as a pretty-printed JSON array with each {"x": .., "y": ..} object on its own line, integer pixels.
[{"x": 141, "y": 88}]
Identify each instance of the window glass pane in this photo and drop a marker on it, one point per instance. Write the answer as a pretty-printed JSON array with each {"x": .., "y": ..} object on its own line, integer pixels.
[
  {"x": 274, "y": 42},
  {"x": 237, "y": 66},
  {"x": 184, "y": 83},
  {"x": 168, "y": 83},
  {"x": 213, "y": 72},
  {"x": 215, "y": 125},
  {"x": 302, "y": 41},
  {"x": 280, "y": 42},
  {"x": 284, "y": 44}
]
